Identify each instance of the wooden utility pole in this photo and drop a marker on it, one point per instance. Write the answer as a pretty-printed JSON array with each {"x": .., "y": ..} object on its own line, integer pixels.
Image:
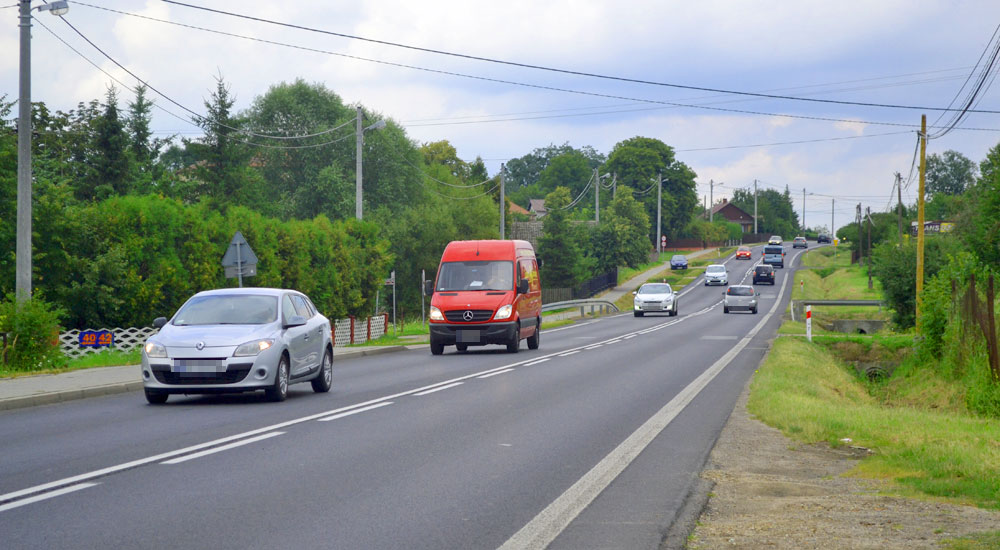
[
  {"x": 503, "y": 205},
  {"x": 861, "y": 242},
  {"x": 868, "y": 212},
  {"x": 711, "y": 205},
  {"x": 899, "y": 203},
  {"x": 920, "y": 216},
  {"x": 803, "y": 211},
  {"x": 754, "y": 207},
  {"x": 659, "y": 203}
]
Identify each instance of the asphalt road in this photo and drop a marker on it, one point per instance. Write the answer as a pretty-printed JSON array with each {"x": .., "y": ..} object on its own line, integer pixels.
[{"x": 594, "y": 440}]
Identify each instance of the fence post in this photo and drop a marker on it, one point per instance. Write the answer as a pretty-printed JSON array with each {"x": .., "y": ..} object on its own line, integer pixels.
[
  {"x": 352, "y": 328},
  {"x": 369, "y": 330}
]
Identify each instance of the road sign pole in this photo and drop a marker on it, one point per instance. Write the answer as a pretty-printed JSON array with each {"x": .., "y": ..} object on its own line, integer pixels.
[{"x": 239, "y": 265}]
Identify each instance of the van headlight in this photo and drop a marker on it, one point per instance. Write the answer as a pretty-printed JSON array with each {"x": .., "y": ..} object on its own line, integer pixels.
[
  {"x": 436, "y": 314},
  {"x": 253, "y": 348},
  {"x": 155, "y": 350},
  {"x": 504, "y": 312}
]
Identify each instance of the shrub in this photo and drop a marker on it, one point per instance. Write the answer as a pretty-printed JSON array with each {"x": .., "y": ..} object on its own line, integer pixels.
[{"x": 32, "y": 329}]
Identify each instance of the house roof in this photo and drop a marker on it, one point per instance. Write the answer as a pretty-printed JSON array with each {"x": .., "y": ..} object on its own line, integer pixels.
[
  {"x": 516, "y": 208},
  {"x": 537, "y": 206}
]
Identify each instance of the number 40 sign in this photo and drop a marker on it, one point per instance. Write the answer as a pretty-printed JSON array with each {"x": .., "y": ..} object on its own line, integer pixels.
[{"x": 97, "y": 338}]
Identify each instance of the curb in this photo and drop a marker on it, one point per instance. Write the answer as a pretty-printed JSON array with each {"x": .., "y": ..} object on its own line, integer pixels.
[{"x": 49, "y": 398}]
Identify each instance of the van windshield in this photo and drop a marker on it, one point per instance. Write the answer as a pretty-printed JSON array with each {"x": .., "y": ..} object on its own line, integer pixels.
[
  {"x": 773, "y": 250},
  {"x": 476, "y": 275}
]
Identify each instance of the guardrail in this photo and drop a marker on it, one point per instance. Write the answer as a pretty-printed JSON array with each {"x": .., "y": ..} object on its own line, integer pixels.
[
  {"x": 595, "y": 306},
  {"x": 798, "y": 306}
]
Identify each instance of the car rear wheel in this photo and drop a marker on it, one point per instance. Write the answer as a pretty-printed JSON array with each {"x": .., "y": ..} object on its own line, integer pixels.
[
  {"x": 754, "y": 311},
  {"x": 279, "y": 391},
  {"x": 155, "y": 397},
  {"x": 536, "y": 338},
  {"x": 323, "y": 382}
]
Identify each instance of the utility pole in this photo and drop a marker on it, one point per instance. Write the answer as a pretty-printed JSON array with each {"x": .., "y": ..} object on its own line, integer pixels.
[
  {"x": 803, "y": 210},
  {"x": 833, "y": 210},
  {"x": 920, "y": 215},
  {"x": 359, "y": 137},
  {"x": 614, "y": 185},
  {"x": 503, "y": 205},
  {"x": 659, "y": 204},
  {"x": 861, "y": 242},
  {"x": 869, "y": 213},
  {"x": 711, "y": 199},
  {"x": 597, "y": 196},
  {"x": 899, "y": 204},
  {"x": 755, "y": 207},
  {"x": 23, "y": 247}
]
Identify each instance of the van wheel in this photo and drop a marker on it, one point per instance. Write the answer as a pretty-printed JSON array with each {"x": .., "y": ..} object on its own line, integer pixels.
[
  {"x": 437, "y": 348},
  {"x": 156, "y": 398},
  {"x": 462, "y": 347},
  {"x": 535, "y": 338},
  {"x": 513, "y": 346}
]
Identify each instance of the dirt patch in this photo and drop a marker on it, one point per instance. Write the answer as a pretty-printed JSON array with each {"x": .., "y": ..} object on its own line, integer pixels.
[{"x": 771, "y": 492}]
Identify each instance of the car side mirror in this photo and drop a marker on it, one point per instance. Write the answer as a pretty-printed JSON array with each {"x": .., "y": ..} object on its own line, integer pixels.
[
  {"x": 428, "y": 288},
  {"x": 634, "y": 293},
  {"x": 295, "y": 321},
  {"x": 522, "y": 286},
  {"x": 159, "y": 322}
]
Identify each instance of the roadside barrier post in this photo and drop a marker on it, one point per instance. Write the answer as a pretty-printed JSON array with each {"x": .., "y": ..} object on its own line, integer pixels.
[{"x": 809, "y": 323}]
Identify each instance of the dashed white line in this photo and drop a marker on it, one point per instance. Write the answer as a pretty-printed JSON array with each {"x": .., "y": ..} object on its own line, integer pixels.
[
  {"x": 593, "y": 347},
  {"x": 629, "y": 336},
  {"x": 567, "y": 354},
  {"x": 439, "y": 388},
  {"x": 45, "y": 496},
  {"x": 537, "y": 362},
  {"x": 239, "y": 443},
  {"x": 355, "y": 411},
  {"x": 492, "y": 374},
  {"x": 612, "y": 342}
]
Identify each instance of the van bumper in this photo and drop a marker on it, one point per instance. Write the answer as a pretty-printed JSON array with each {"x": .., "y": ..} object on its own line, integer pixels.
[{"x": 473, "y": 335}]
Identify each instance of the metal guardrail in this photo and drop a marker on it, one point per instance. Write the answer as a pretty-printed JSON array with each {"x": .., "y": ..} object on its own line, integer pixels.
[
  {"x": 798, "y": 306},
  {"x": 595, "y": 305}
]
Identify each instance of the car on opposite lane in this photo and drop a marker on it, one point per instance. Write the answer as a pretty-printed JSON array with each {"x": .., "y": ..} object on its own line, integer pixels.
[
  {"x": 775, "y": 239},
  {"x": 743, "y": 253},
  {"x": 716, "y": 274},
  {"x": 237, "y": 340},
  {"x": 740, "y": 297},
  {"x": 822, "y": 238},
  {"x": 678, "y": 261},
  {"x": 763, "y": 274},
  {"x": 655, "y": 298}
]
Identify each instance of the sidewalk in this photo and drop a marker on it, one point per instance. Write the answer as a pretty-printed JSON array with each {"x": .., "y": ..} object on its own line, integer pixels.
[{"x": 44, "y": 389}]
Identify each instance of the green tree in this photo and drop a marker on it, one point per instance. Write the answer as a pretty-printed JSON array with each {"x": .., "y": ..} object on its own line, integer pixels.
[
  {"x": 111, "y": 160},
  {"x": 563, "y": 264},
  {"x": 949, "y": 173},
  {"x": 621, "y": 239},
  {"x": 895, "y": 267},
  {"x": 775, "y": 212},
  {"x": 223, "y": 156}
]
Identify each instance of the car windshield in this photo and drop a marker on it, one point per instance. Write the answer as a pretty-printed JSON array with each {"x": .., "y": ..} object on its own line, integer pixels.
[
  {"x": 655, "y": 289},
  {"x": 715, "y": 269},
  {"x": 679, "y": 258},
  {"x": 228, "y": 309},
  {"x": 740, "y": 291},
  {"x": 476, "y": 275},
  {"x": 764, "y": 269}
]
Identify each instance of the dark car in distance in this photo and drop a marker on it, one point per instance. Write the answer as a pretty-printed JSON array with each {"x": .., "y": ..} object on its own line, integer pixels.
[
  {"x": 678, "y": 261},
  {"x": 822, "y": 238},
  {"x": 763, "y": 274}
]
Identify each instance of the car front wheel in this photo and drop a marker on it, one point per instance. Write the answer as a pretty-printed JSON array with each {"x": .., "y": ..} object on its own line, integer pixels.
[
  {"x": 155, "y": 397},
  {"x": 323, "y": 382},
  {"x": 279, "y": 391}
]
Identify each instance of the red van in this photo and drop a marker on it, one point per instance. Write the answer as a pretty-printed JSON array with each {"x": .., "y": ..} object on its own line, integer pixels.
[{"x": 485, "y": 292}]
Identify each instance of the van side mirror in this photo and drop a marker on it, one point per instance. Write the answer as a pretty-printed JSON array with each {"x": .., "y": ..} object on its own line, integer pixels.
[
  {"x": 522, "y": 286},
  {"x": 428, "y": 288},
  {"x": 159, "y": 322}
]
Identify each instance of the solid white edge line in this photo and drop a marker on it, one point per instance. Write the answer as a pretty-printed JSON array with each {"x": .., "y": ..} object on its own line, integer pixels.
[
  {"x": 439, "y": 388},
  {"x": 554, "y": 518},
  {"x": 36, "y": 498},
  {"x": 492, "y": 374},
  {"x": 214, "y": 450},
  {"x": 355, "y": 411}
]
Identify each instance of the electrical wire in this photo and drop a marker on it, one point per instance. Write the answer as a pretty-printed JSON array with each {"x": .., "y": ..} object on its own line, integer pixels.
[
  {"x": 792, "y": 142},
  {"x": 974, "y": 91},
  {"x": 558, "y": 70}
]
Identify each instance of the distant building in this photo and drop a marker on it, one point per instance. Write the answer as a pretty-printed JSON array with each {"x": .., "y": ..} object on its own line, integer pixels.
[
  {"x": 537, "y": 208},
  {"x": 516, "y": 209},
  {"x": 733, "y": 214}
]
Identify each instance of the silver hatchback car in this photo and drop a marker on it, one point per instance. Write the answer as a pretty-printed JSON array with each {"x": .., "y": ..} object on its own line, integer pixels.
[
  {"x": 740, "y": 297},
  {"x": 237, "y": 340}
]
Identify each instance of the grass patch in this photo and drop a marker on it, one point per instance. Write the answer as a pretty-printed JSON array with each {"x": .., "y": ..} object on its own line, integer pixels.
[
  {"x": 626, "y": 273},
  {"x": 979, "y": 541},
  {"x": 407, "y": 332},
  {"x": 104, "y": 358},
  {"x": 802, "y": 389},
  {"x": 826, "y": 257}
]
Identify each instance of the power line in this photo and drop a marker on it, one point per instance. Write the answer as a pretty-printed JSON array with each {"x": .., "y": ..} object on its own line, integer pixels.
[
  {"x": 559, "y": 70},
  {"x": 975, "y": 90},
  {"x": 792, "y": 142}
]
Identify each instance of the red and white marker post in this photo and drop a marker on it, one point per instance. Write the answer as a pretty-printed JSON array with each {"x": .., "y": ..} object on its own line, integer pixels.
[{"x": 809, "y": 323}]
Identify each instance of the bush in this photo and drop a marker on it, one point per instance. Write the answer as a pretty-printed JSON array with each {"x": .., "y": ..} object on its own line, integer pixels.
[{"x": 32, "y": 330}]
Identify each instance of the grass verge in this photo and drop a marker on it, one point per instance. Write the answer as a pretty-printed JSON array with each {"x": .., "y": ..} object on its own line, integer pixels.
[
  {"x": 805, "y": 391},
  {"x": 104, "y": 358},
  {"x": 979, "y": 541}
]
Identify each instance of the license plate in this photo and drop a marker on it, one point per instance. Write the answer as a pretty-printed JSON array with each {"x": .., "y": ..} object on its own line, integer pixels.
[
  {"x": 466, "y": 336},
  {"x": 198, "y": 365}
]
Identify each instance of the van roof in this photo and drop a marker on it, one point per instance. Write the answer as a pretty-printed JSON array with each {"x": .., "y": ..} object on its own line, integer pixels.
[{"x": 458, "y": 251}]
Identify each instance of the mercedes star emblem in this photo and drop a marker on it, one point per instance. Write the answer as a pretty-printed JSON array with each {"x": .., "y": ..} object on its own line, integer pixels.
[{"x": 467, "y": 316}]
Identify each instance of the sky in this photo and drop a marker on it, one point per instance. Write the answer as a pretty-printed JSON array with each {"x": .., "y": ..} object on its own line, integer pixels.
[{"x": 914, "y": 53}]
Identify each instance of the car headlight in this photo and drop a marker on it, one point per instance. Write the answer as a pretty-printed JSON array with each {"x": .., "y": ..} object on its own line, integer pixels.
[
  {"x": 504, "y": 312},
  {"x": 155, "y": 350},
  {"x": 436, "y": 314},
  {"x": 250, "y": 349}
]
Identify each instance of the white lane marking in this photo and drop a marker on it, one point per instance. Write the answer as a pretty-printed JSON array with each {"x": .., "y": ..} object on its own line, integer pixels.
[
  {"x": 567, "y": 327},
  {"x": 551, "y": 521},
  {"x": 492, "y": 374},
  {"x": 574, "y": 352},
  {"x": 609, "y": 342},
  {"x": 439, "y": 388},
  {"x": 537, "y": 362},
  {"x": 593, "y": 347},
  {"x": 630, "y": 336},
  {"x": 36, "y": 498},
  {"x": 214, "y": 450},
  {"x": 355, "y": 411}
]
